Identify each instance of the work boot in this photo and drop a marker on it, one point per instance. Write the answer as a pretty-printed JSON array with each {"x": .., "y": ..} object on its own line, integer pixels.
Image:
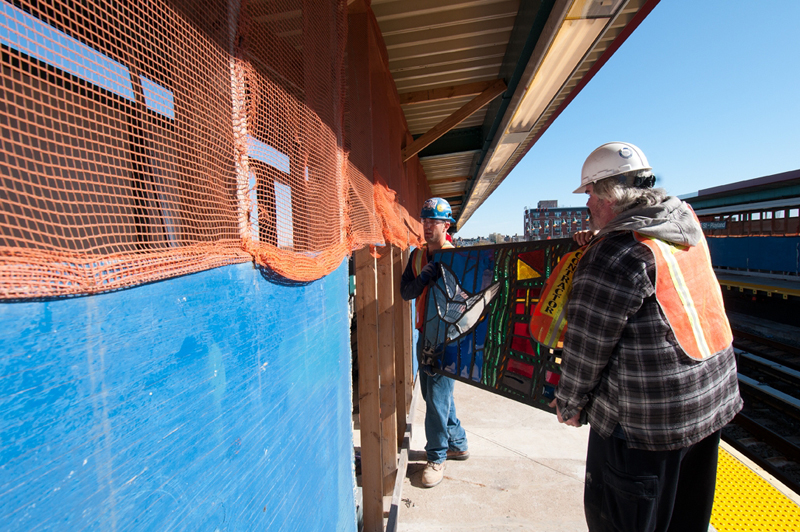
[
  {"x": 433, "y": 474},
  {"x": 457, "y": 455}
]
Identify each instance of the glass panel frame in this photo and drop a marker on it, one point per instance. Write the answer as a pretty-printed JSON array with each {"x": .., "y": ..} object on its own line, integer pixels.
[{"x": 477, "y": 315}]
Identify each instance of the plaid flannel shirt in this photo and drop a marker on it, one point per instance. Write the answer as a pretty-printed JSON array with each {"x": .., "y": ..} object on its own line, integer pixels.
[{"x": 622, "y": 363}]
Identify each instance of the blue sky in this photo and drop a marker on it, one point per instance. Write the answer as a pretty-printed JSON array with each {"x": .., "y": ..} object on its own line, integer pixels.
[{"x": 708, "y": 89}]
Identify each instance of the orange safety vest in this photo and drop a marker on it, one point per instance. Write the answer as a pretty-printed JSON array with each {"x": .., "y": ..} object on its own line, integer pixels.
[
  {"x": 690, "y": 297},
  {"x": 418, "y": 261}
]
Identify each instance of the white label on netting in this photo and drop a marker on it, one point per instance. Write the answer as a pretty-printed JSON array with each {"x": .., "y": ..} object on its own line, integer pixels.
[{"x": 31, "y": 36}]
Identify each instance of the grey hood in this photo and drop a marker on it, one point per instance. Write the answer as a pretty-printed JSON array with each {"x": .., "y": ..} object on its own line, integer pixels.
[{"x": 671, "y": 220}]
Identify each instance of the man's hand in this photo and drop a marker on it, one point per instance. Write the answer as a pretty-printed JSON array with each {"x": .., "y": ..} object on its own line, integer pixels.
[
  {"x": 574, "y": 421},
  {"x": 429, "y": 272},
  {"x": 583, "y": 237}
]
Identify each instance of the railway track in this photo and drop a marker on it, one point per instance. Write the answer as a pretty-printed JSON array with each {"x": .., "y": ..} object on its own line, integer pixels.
[{"x": 767, "y": 430}]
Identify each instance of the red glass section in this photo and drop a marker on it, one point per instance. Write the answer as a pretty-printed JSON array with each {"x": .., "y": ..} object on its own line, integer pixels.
[
  {"x": 552, "y": 378},
  {"x": 523, "y": 345},
  {"x": 520, "y": 368},
  {"x": 534, "y": 259}
]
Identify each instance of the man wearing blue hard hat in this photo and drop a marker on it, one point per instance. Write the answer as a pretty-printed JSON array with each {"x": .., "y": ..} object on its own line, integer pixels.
[{"x": 447, "y": 439}]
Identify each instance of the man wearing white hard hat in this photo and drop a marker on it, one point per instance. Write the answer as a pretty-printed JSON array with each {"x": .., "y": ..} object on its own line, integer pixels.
[{"x": 647, "y": 357}]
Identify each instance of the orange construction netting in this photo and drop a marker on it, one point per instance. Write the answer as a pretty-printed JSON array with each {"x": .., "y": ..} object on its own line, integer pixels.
[{"x": 147, "y": 139}]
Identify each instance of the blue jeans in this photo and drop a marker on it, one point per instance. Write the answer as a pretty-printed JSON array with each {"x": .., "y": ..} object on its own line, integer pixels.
[{"x": 443, "y": 430}]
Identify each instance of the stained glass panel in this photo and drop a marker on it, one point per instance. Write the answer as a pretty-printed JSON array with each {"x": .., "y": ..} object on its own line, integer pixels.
[{"x": 477, "y": 316}]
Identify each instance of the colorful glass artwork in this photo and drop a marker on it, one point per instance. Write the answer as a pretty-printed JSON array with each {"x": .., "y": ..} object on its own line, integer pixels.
[{"x": 477, "y": 315}]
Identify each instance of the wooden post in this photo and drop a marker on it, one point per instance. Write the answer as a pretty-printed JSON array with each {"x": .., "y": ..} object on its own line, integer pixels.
[
  {"x": 360, "y": 51},
  {"x": 369, "y": 395},
  {"x": 386, "y": 356},
  {"x": 359, "y": 86},
  {"x": 402, "y": 352}
]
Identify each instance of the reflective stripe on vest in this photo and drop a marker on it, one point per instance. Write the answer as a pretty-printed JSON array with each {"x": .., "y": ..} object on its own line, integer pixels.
[
  {"x": 690, "y": 297},
  {"x": 418, "y": 261}
]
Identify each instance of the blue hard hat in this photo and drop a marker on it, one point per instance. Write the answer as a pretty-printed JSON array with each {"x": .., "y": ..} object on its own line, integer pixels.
[{"x": 437, "y": 209}]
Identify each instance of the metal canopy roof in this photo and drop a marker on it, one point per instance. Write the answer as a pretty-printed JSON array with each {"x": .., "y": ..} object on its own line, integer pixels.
[
  {"x": 759, "y": 193},
  {"x": 480, "y": 81}
]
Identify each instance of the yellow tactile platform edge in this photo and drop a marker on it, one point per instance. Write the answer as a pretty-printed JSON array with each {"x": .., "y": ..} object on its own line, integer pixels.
[
  {"x": 755, "y": 288},
  {"x": 746, "y": 502}
]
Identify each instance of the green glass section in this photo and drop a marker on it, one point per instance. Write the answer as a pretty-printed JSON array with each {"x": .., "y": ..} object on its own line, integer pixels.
[{"x": 477, "y": 319}]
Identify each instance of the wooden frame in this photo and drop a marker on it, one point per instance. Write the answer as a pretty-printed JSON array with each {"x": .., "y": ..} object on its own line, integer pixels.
[
  {"x": 497, "y": 88},
  {"x": 385, "y": 378},
  {"x": 384, "y": 337}
]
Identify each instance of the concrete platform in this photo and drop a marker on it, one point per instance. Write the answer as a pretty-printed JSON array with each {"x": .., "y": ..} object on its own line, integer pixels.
[{"x": 525, "y": 471}]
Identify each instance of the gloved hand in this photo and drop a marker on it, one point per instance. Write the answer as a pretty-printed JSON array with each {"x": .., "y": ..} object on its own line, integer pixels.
[{"x": 430, "y": 272}]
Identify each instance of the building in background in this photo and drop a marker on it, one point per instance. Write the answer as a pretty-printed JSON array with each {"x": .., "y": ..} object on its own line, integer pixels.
[{"x": 548, "y": 221}]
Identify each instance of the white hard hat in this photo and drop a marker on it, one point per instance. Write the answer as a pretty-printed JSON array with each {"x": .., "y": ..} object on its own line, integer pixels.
[{"x": 611, "y": 159}]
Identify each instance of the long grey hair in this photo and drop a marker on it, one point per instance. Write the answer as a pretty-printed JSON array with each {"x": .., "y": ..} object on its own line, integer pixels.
[{"x": 629, "y": 190}]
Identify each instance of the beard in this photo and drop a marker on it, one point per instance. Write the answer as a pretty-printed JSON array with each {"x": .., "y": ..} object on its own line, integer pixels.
[{"x": 593, "y": 222}]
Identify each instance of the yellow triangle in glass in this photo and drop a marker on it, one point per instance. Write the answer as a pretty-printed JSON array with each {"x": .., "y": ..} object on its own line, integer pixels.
[{"x": 526, "y": 272}]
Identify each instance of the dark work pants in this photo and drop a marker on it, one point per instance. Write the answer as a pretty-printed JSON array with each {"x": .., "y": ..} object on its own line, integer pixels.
[{"x": 631, "y": 490}]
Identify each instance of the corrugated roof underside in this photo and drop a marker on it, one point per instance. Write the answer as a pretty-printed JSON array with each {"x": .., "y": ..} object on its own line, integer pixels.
[
  {"x": 442, "y": 43},
  {"x": 453, "y": 167},
  {"x": 423, "y": 116},
  {"x": 441, "y": 166},
  {"x": 610, "y": 33}
]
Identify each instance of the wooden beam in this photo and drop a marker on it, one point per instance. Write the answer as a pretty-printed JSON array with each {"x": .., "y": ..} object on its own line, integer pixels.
[
  {"x": 445, "y": 93},
  {"x": 402, "y": 341},
  {"x": 386, "y": 361},
  {"x": 357, "y": 6},
  {"x": 369, "y": 407},
  {"x": 359, "y": 90},
  {"x": 397, "y": 496},
  {"x": 448, "y": 180},
  {"x": 359, "y": 94},
  {"x": 497, "y": 88}
]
